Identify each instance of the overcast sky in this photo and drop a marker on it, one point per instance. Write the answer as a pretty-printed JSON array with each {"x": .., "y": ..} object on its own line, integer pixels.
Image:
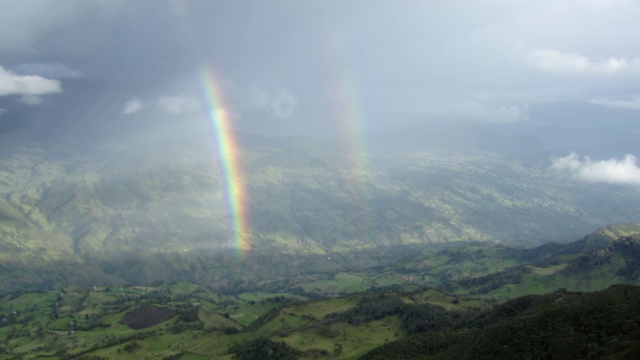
[{"x": 297, "y": 64}]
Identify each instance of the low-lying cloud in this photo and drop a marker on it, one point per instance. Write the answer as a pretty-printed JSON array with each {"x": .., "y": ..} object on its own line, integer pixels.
[
  {"x": 14, "y": 84},
  {"x": 278, "y": 104},
  {"x": 484, "y": 113},
  {"x": 476, "y": 111},
  {"x": 632, "y": 103},
  {"x": 175, "y": 105},
  {"x": 565, "y": 63},
  {"x": 613, "y": 171}
]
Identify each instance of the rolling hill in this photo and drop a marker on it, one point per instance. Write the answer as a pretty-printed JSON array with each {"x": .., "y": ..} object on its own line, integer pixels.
[{"x": 474, "y": 300}]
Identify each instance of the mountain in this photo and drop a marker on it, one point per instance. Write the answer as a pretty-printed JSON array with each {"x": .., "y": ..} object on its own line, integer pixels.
[
  {"x": 562, "y": 325},
  {"x": 152, "y": 205},
  {"x": 579, "y": 266}
]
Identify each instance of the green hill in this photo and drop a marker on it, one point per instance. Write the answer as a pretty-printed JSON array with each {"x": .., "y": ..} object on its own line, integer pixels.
[
  {"x": 562, "y": 325},
  {"x": 137, "y": 212},
  {"x": 578, "y": 266},
  {"x": 469, "y": 301},
  {"x": 186, "y": 321}
]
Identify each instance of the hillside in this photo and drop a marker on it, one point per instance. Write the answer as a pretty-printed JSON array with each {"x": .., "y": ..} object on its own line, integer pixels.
[
  {"x": 410, "y": 300},
  {"x": 133, "y": 211},
  {"x": 185, "y": 321},
  {"x": 562, "y": 325},
  {"x": 577, "y": 266}
]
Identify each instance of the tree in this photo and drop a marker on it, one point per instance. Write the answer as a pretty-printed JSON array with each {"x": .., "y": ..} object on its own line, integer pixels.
[{"x": 265, "y": 348}]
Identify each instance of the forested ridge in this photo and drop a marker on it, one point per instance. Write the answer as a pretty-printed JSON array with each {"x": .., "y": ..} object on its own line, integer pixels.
[{"x": 561, "y": 325}]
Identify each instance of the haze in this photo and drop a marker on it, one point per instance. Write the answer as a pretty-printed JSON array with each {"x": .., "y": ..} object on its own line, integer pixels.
[
  {"x": 307, "y": 179},
  {"x": 563, "y": 74}
]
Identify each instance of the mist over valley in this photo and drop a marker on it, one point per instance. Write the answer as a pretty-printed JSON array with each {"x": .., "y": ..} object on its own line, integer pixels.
[{"x": 319, "y": 180}]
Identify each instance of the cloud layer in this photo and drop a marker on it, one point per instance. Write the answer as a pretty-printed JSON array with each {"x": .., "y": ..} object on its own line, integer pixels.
[
  {"x": 564, "y": 63},
  {"x": 613, "y": 171},
  {"x": 632, "y": 103},
  {"x": 278, "y": 104},
  {"x": 428, "y": 60}
]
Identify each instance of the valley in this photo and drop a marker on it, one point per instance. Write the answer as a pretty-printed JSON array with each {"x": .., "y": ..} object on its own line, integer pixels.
[
  {"x": 109, "y": 253},
  {"x": 316, "y": 180},
  {"x": 452, "y": 296},
  {"x": 108, "y": 213}
]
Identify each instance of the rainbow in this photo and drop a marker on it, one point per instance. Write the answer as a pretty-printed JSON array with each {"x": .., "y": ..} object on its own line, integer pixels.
[
  {"x": 352, "y": 127},
  {"x": 230, "y": 158},
  {"x": 351, "y": 123},
  {"x": 350, "y": 113}
]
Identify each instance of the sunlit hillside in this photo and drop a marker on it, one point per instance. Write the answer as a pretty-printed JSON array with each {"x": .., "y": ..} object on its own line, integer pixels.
[{"x": 113, "y": 206}]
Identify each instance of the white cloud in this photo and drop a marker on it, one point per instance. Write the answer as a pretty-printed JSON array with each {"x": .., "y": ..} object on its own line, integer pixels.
[
  {"x": 31, "y": 99},
  {"x": 282, "y": 105},
  {"x": 132, "y": 106},
  {"x": 177, "y": 104},
  {"x": 2, "y": 111},
  {"x": 279, "y": 104},
  {"x": 632, "y": 103},
  {"x": 563, "y": 63},
  {"x": 13, "y": 84},
  {"x": 612, "y": 171}
]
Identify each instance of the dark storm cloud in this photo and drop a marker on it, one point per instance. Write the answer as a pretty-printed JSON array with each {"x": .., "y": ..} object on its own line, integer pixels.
[{"x": 488, "y": 61}]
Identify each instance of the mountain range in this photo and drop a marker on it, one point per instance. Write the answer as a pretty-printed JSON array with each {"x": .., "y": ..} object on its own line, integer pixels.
[{"x": 74, "y": 213}]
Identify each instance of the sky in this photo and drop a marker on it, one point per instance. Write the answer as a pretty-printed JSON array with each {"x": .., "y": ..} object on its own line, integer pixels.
[{"x": 566, "y": 71}]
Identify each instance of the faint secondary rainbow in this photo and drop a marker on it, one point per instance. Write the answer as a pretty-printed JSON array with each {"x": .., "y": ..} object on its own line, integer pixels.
[
  {"x": 351, "y": 124},
  {"x": 230, "y": 159},
  {"x": 350, "y": 112}
]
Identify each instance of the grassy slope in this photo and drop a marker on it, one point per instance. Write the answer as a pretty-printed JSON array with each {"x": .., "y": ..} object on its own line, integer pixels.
[{"x": 310, "y": 326}]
